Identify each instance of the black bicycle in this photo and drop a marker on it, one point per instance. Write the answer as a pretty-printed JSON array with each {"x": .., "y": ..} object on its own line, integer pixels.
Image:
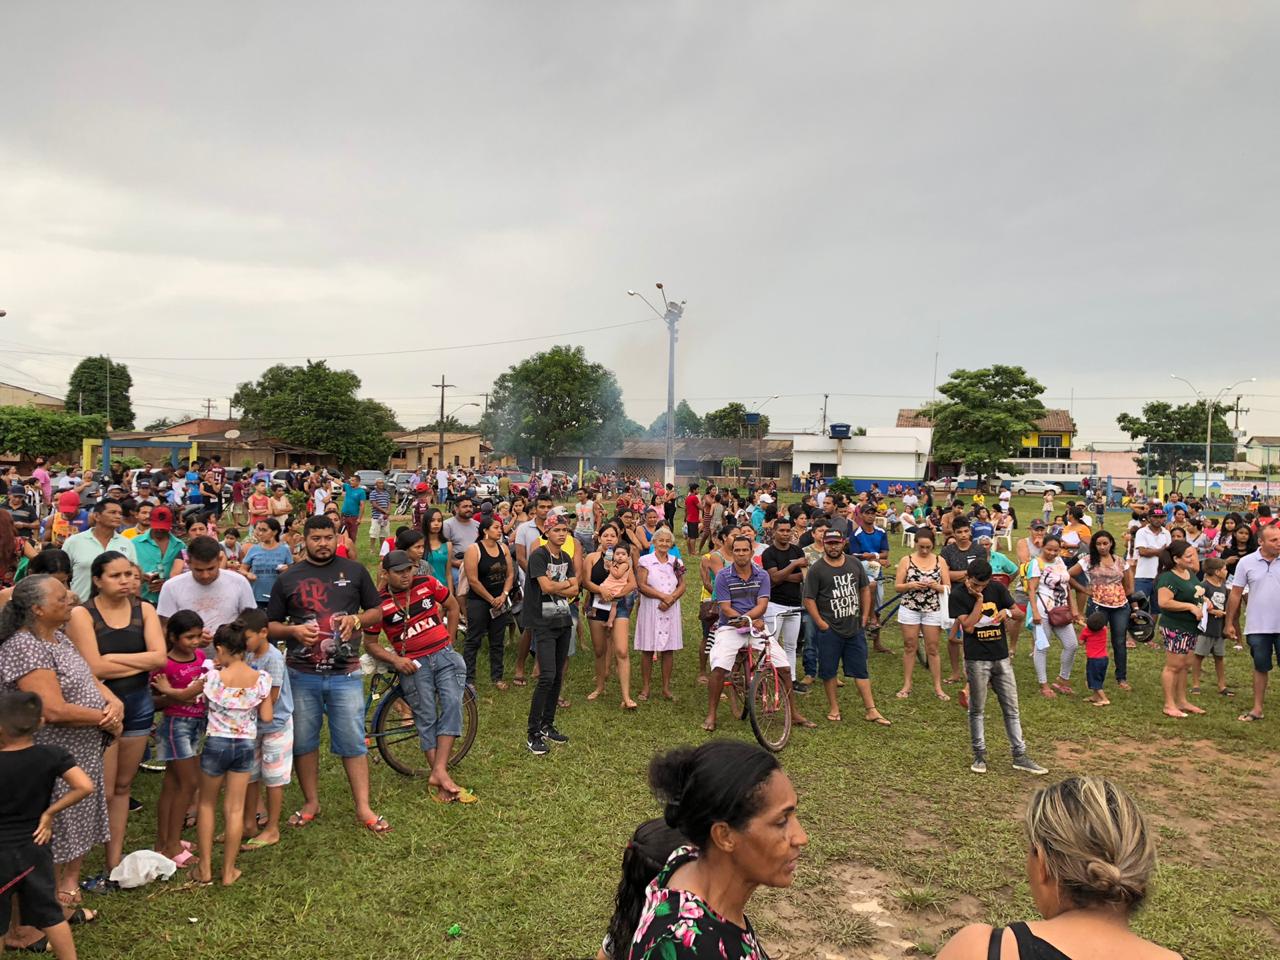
[{"x": 390, "y": 726}]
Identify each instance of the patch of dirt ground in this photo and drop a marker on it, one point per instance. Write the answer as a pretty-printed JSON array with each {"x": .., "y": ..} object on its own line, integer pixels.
[
  {"x": 856, "y": 913},
  {"x": 1188, "y": 789}
]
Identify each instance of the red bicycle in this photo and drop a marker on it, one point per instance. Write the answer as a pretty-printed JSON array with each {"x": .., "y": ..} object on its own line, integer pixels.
[{"x": 756, "y": 690}]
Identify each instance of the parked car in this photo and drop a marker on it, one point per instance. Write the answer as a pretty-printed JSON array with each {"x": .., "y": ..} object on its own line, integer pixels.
[
  {"x": 519, "y": 482},
  {"x": 367, "y": 478},
  {"x": 1032, "y": 486},
  {"x": 487, "y": 487},
  {"x": 399, "y": 481}
]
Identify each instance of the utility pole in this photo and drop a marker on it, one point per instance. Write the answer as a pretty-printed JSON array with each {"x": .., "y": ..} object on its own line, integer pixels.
[
  {"x": 486, "y": 404},
  {"x": 674, "y": 311},
  {"x": 208, "y": 407},
  {"x": 443, "y": 386},
  {"x": 672, "y": 317},
  {"x": 231, "y": 411},
  {"x": 108, "y": 394},
  {"x": 825, "y": 396}
]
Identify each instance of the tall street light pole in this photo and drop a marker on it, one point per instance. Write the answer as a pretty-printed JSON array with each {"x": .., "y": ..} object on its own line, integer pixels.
[
  {"x": 440, "y": 450},
  {"x": 1211, "y": 406},
  {"x": 674, "y": 311}
]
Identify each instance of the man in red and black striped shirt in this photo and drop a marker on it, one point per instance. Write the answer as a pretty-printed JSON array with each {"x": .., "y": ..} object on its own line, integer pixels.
[{"x": 420, "y": 619}]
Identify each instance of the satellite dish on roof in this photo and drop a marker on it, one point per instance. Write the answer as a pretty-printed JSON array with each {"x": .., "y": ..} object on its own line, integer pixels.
[{"x": 231, "y": 434}]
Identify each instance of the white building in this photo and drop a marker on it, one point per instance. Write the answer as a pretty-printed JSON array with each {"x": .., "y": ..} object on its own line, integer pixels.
[{"x": 884, "y": 454}]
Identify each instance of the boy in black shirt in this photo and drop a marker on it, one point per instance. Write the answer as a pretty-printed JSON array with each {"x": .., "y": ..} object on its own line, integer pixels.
[
  {"x": 29, "y": 773},
  {"x": 980, "y": 609},
  {"x": 551, "y": 586},
  {"x": 1211, "y": 641}
]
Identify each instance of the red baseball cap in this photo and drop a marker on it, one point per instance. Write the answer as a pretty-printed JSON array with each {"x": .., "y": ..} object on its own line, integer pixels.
[
  {"x": 161, "y": 518},
  {"x": 69, "y": 502}
]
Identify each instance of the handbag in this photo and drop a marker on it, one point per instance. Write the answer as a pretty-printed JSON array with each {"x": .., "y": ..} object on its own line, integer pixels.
[{"x": 1059, "y": 616}]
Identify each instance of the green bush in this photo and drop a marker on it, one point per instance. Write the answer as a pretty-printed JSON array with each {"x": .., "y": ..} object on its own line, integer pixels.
[{"x": 842, "y": 485}]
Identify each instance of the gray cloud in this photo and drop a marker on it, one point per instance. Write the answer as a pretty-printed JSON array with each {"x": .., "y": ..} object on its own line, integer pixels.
[{"x": 1085, "y": 189}]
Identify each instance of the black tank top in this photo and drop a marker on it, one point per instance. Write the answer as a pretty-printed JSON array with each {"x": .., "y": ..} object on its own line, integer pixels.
[
  {"x": 1030, "y": 947},
  {"x": 599, "y": 572},
  {"x": 126, "y": 639},
  {"x": 492, "y": 571}
]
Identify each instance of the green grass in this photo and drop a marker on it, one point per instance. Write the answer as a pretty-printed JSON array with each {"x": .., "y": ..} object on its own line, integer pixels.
[{"x": 529, "y": 872}]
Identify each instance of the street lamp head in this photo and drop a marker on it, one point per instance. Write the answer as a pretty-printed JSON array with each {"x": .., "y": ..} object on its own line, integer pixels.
[
  {"x": 658, "y": 285},
  {"x": 631, "y": 293}
]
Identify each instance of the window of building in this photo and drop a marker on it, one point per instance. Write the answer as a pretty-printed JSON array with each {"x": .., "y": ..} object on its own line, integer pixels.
[
  {"x": 473, "y": 461},
  {"x": 1051, "y": 440}
]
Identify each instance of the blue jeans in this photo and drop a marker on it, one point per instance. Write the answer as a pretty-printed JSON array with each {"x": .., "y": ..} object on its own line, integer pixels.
[
  {"x": 998, "y": 676},
  {"x": 1148, "y": 586},
  {"x": 338, "y": 696},
  {"x": 1118, "y": 622},
  {"x": 441, "y": 674},
  {"x": 809, "y": 631}
]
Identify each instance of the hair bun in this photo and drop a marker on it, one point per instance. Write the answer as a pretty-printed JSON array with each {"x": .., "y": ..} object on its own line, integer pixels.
[{"x": 1107, "y": 880}]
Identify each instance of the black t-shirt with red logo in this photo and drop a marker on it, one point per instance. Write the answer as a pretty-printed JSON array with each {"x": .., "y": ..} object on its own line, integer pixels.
[
  {"x": 318, "y": 592},
  {"x": 413, "y": 620}
]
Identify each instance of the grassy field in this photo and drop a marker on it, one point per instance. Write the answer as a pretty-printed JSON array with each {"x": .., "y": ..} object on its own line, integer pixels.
[{"x": 529, "y": 871}]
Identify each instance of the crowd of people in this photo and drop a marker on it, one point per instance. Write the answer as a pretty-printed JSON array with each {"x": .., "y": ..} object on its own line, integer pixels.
[{"x": 145, "y": 614}]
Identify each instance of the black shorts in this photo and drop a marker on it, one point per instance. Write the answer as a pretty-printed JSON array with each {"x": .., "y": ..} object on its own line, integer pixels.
[
  {"x": 35, "y": 891},
  {"x": 692, "y": 528}
]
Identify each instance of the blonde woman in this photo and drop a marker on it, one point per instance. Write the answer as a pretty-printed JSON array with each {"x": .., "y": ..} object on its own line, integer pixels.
[{"x": 1090, "y": 861}]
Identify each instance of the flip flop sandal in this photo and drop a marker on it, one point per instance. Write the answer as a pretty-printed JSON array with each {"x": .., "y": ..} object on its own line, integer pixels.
[
  {"x": 81, "y": 915},
  {"x": 1249, "y": 717},
  {"x": 378, "y": 826},
  {"x": 301, "y": 819},
  {"x": 185, "y": 858},
  {"x": 37, "y": 946},
  {"x": 462, "y": 796},
  {"x": 253, "y": 843},
  {"x": 520, "y": 681},
  {"x": 879, "y": 721},
  {"x": 1226, "y": 692}
]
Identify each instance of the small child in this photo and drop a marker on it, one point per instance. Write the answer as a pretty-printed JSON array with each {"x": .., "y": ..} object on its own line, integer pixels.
[
  {"x": 231, "y": 546},
  {"x": 616, "y": 582},
  {"x": 1211, "y": 639},
  {"x": 236, "y": 696},
  {"x": 273, "y": 753},
  {"x": 30, "y": 772},
  {"x": 177, "y": 688},
  {"x": 1094, "y": 638}
]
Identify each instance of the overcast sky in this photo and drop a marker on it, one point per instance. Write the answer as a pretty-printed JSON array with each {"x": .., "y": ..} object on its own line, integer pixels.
[{"x": 1086, "y": 189}]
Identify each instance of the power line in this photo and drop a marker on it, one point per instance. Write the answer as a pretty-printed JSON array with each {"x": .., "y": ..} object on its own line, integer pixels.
[{"x": 348, "y": 356}]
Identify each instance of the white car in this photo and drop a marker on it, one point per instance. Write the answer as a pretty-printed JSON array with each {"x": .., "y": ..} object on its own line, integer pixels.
[{"x": 1034, "y": 487}]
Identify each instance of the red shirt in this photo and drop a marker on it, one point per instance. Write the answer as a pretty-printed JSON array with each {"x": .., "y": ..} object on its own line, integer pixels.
[
  {"x": 692, "y": 508},
  {"x": 1095, "y": 643},
  {"x": 412, "y": 619}
]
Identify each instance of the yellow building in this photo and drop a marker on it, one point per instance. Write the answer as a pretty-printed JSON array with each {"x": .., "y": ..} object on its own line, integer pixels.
[
  {"x": 421, "y": 450},
  {"x": 1051, "y": 440},
  {"x": 11, "y": 396}
]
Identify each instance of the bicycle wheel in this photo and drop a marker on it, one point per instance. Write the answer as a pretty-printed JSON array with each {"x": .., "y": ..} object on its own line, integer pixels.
[
  {"x": 770, "y": 709},
  {"x": 470, "y": 724},
  {"x": 396, "y": 735},
  {"x": 736, "y": 686}
]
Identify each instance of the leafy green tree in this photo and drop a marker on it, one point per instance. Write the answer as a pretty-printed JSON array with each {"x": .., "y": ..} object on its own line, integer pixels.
[
  {"x": 985, "y": 415},
  {"x": 315, "y": 406},
  {"x": 557, "y": 401},
  {"x": 688, "y": 423},
  {"x": 29, "y": 432},
  {"x": 730, "y": 466},
  {"x": 93, "y": 379},
  {"x": 1173, "y": 437},
  {"x": 730, "y": 421},
  {"x": 451, "y": 425}
]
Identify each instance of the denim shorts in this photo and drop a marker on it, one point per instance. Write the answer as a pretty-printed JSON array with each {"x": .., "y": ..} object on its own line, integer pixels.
[
  {"x": 1265, "y": 648},
  {"x": 139, "y": 713},
  {"x": 178, "y": 738},
  {"x": 625, "y": 605},
  {"x": 434, "y": 693},
  {"x": 833, "y": 649},
  {"x": 1095, "y": 672},
  {"x": 225, "y": 755},
  {"x": 338, "y": 696}
]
